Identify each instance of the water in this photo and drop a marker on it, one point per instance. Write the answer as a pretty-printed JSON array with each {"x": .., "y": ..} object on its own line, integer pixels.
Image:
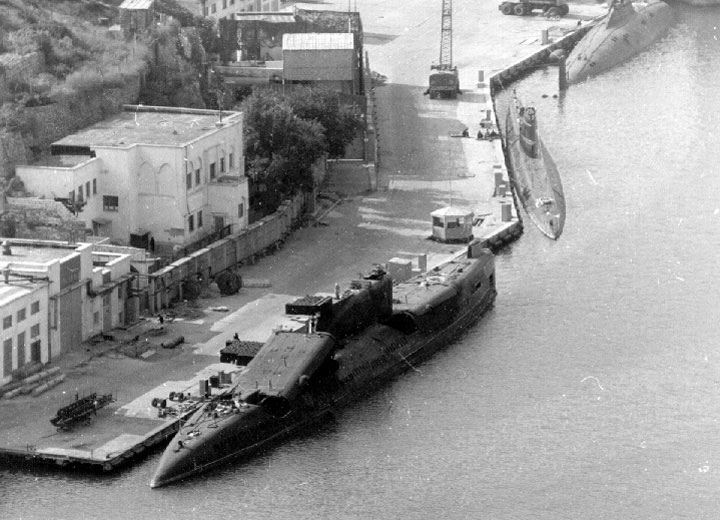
[{"x": 590, "y": 391}]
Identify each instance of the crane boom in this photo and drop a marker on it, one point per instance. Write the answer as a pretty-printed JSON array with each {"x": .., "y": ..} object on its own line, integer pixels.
[
  {"x": 446, "y": 36},
  {"x": 444, "y": 82}
]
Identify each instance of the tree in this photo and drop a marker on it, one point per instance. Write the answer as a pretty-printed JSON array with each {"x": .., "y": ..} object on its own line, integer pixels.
[
  {"x": 286, "y": 134},
  {"x": 281, "y": 148},
  {"x": 342, "y": 122},
  {"x": 170, "y": 80}
]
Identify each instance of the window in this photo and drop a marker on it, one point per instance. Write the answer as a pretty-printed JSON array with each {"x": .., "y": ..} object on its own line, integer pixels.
[
  {"x": 222, "y": 164},
  {"x": 197, "y": 176},
  {"x": 188, "y": 180},
  {"x": 35, "y": 330},
  {"x": 110, "y": 203},
  {"x": 71, "y": 196},
  {"x": 241, "y": 210},
  {"x": 80, "y": 193},
  {"x": 94, "y": 186},
  {"x": 199, "y": 219},
  {"x": 7, "y": 322},
  {"x": 206, "y": 11},
  {"x": 213, "y": 8},
  {"x": 224, "y": 4},
  {"x": 96, "y": 318},
  {"x": 231, "y": 163},
  {"x": 212, "y": 171},
  {"x": 21, "y": 315},
  {"x": 191, "y": 223},
  {"x": 87, "y": 189},
  {"x": 34, "y": 307}
]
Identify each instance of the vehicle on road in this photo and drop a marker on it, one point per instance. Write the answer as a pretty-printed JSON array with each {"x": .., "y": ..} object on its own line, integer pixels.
[
  {"x": 549, "y": 8},
  {"x": 444, "y": 80}
]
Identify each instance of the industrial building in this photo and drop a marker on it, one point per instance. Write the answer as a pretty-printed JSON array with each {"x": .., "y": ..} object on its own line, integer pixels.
[
  {"x": 55, "y": 295},
  {"x": 323, "y": 48},
  {"x": 226, "y": 9},
  {"x": 158, "y": 178}
]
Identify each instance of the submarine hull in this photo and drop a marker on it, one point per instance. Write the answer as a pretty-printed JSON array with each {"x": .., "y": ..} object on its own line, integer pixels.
[
  {"x": 270, "y": 402},
  {"x": 627, "y": 30},
  {"x": 533, "y": 173}
]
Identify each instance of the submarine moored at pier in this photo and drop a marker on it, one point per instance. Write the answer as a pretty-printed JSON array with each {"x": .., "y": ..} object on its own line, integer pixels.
[
  {"x": 625, "y": 31},
  {"x": 371, "y": 333},
  {"x": 533, "y": 173}
]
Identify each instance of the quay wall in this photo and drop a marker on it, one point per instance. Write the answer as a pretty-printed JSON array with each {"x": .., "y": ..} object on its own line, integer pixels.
[{"x": 517, "y": 70}]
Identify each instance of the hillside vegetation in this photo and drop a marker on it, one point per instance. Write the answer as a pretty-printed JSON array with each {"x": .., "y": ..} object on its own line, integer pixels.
[
  {"x": 62, "y": 68},
  {"x": 49, "y": 49}
]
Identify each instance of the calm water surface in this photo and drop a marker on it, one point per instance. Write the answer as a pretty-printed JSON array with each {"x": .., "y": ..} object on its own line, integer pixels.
[{"x": 592, "y": 390}]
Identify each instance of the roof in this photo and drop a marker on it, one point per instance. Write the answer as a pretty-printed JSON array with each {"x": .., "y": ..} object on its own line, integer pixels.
[
  {"x": 242, "y": 348},
  {"x": 149, "y": 125},
  {"x": 265, "y": 17},
  {"x": 450, "y": 211},
  {"x": 40, "y": 252},
  {"x": 317, "y": 41},
  {"x": 27, "y": 266},
  {"x": 137, "y": 4}
]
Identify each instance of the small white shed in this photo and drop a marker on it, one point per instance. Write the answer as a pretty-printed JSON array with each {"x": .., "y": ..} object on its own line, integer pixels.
[{"x": 451, "y": 224}]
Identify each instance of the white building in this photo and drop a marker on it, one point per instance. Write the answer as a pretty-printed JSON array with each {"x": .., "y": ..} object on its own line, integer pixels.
[
  {"x": 226, "y": 9},
  {"x": 151, "y": 177},
  {"x": 55, "y": 295}
]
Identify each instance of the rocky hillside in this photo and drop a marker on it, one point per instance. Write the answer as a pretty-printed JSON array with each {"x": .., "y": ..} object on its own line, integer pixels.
[
  {"x": 64, "y": 64},
  {"x": 60, "y": 67}
]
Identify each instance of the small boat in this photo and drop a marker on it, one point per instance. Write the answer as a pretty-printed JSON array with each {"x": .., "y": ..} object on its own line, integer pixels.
[
  {"x": 354, "y": 342},
  {"x": 626, "y": 30},
  {"x": 533, "y": 173}
]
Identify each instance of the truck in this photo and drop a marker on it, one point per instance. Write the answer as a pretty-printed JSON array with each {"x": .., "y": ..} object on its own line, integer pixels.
[
  {"x": 549, "y": 8},
  {"x": 444, "y": 80}
]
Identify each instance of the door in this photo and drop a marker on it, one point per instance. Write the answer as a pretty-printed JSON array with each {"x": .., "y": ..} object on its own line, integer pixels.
[{"x": 35, "y": 350}]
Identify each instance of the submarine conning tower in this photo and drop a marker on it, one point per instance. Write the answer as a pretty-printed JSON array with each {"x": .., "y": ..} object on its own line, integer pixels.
[
  {"x": 366, "y": 301},
  {"x": 528, "y": 132}
]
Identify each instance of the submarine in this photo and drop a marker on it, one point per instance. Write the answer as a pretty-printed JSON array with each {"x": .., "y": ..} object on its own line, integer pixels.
[
  {"x": 625, "y": 31},
  {"x": 532, "y": 171},
  {"x": 354, "y": 343}
]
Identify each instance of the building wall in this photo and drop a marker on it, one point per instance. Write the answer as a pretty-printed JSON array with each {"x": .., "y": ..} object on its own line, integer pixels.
[
  {"x": 219, "y": 9},
  {"x": 64, "y": 181},
  {"x": 317, "y": 65},
  {"x": 104, "y": 308},
  {"x": 33, "y": 328},
  {"x": 165, "y": 190},
  {"x": 67, "y": 304}
]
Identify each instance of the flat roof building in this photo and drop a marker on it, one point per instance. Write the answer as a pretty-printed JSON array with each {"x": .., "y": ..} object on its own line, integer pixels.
[
  {"x": 160, "y": 178},
  {"x": 55, "y": 295}
]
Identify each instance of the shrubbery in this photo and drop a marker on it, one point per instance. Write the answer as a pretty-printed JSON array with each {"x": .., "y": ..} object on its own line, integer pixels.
[{"x": 286, "y": 134}]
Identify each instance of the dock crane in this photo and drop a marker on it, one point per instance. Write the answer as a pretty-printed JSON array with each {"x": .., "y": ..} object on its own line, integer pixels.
[{"x": 443, "y": 81}]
